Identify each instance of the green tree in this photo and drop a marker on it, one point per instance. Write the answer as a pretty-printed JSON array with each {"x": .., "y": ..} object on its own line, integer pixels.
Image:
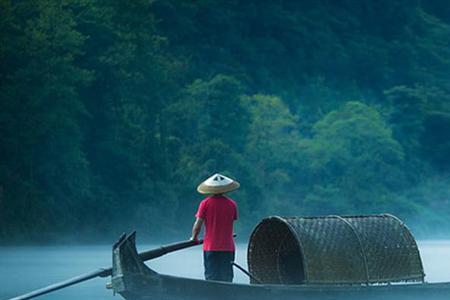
[
  {"x": 125, "y": 137},
  {"x": 271, "y": 148},
  {"x": 210, "y": 113},
  {"x": 407, "y": 115},
  {"x": 354, "y": 163},
  {"x": 435, "y": 141},
  {"x": 207, "y": 134},
  {"x": 44, "y": 170}
]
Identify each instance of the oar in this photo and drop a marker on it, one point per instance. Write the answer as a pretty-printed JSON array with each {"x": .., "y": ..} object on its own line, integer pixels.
[{"x": 104, "y": 272}]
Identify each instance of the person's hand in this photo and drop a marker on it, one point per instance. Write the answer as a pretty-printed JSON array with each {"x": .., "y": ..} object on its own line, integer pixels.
[{"x": 193, "y": 238}]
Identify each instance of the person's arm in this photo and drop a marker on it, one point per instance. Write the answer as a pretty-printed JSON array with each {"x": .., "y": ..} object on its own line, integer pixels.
[{"x": 196, "y": 228}]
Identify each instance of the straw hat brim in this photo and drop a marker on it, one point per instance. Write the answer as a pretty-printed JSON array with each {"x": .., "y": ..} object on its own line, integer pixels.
[{"x": 207, "y": 189}]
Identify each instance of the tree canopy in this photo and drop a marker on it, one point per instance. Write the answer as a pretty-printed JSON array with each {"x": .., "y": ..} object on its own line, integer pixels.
[{"x": 111, "y": 113}]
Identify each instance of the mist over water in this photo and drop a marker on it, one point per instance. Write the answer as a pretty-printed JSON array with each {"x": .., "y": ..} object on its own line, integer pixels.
[
  {"x": 436, "y": 260},
  {"x": 23, "y": 269}
]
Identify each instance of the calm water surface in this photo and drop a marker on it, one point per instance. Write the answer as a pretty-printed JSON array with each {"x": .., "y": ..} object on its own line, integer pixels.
[{"x": 23, "y": 269}]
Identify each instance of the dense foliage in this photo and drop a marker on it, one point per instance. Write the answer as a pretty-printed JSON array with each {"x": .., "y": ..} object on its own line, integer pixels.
[{"x": 112, "y": 112}]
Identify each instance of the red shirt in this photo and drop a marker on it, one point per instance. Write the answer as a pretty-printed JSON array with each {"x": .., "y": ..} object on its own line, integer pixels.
[{"x": 218, "y": 213}]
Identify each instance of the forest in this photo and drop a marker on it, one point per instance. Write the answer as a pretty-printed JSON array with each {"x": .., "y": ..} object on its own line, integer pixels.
[{"x": 112, "y": 112}]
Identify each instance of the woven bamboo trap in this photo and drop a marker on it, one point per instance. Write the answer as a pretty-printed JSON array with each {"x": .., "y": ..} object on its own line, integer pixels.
[{"x": 334, "y": 250}]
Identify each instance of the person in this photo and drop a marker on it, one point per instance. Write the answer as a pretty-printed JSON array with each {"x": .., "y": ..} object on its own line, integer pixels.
[{"x": 217, "y": 213}]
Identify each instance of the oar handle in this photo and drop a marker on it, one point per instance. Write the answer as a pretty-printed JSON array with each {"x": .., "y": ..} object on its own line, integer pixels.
[{"x": 154, "y": 253}]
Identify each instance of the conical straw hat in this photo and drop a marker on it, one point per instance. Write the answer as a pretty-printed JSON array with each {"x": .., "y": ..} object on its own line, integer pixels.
[{"x": 217, "y": 184}]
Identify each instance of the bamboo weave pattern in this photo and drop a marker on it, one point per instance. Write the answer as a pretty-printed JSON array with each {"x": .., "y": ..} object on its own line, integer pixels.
[{"x": 334, "y": 250}]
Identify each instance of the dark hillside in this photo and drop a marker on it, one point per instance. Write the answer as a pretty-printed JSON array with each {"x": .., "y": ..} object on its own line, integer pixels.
[{"x": 112, "y": 112}]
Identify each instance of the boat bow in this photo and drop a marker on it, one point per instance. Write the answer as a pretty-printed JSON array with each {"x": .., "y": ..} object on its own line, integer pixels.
[{"x": 129, "y": 272}]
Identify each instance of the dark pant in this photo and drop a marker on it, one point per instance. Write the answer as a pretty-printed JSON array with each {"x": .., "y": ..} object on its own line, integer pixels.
[{"x": 218, "y": 265}]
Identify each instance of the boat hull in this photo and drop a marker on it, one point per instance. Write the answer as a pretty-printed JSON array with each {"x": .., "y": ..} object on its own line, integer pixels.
[{"x": 135, "y": 281}]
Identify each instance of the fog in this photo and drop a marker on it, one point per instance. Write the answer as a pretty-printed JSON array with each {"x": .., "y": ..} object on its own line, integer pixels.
[{"x": 27, "y": 268}]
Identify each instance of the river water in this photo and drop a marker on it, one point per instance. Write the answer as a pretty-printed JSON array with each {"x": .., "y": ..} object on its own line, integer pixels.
[{"x": 23, "y": 269}]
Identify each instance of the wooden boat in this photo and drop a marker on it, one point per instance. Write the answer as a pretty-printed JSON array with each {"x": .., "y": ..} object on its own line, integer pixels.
[{"x": 134, "y": 280}]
